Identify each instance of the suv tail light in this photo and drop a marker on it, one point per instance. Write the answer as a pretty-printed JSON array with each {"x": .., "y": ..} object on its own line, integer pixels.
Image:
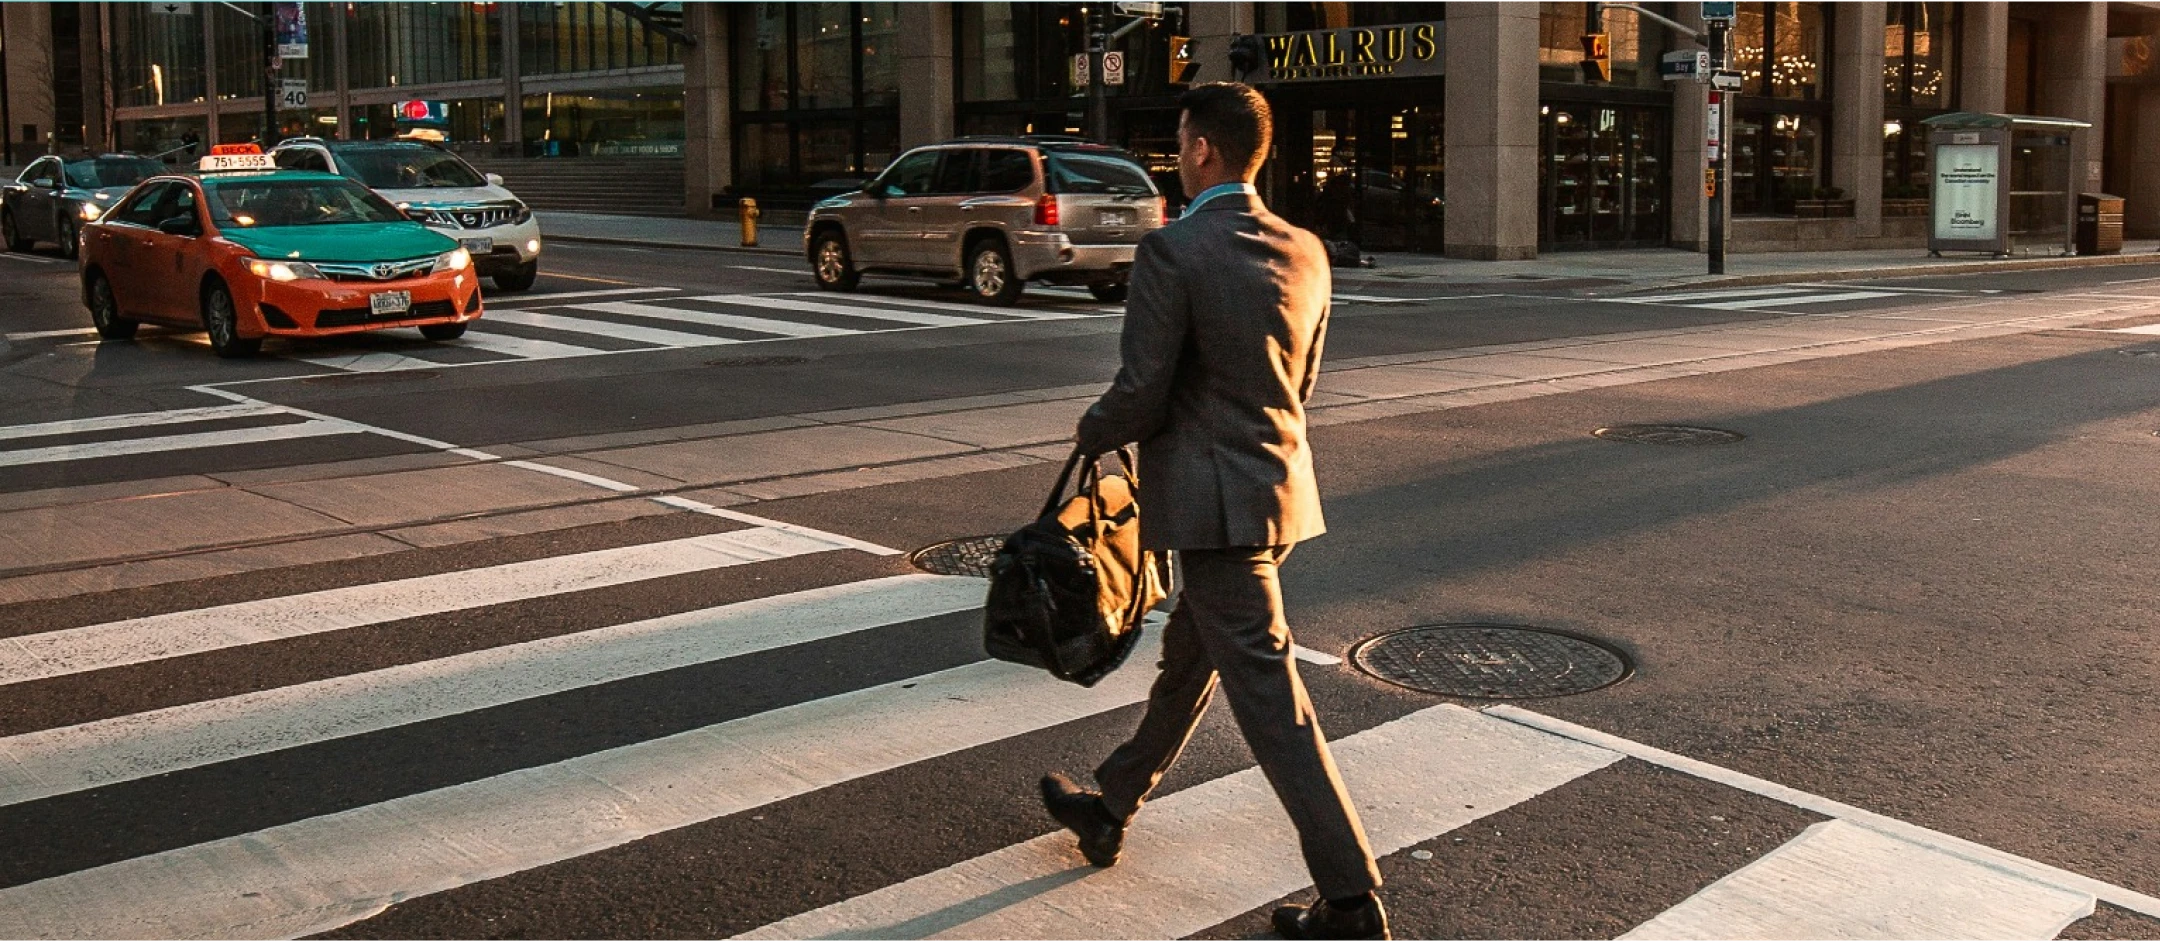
[
  {"x": 1046, "y": 209},
  {"x": 1162, "y": 210}
]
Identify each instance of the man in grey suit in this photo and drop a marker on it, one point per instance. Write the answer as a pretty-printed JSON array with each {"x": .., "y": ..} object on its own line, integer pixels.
[{"x": 1223, "y": 327}]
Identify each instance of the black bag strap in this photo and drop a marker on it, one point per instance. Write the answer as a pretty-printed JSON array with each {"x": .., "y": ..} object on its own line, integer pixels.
[{"x": 1090, "y": 467}]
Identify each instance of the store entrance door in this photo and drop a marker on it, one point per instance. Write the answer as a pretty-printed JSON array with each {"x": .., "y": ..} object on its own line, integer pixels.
[
  {"x": 1371, "y": 175},
  {"x": 1603, "y": 177}
]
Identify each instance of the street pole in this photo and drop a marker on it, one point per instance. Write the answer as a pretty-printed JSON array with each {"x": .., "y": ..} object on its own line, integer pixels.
[
  {"x": 271, "y": 66},
  {"x": 1098, "y": 91},
  {"x": 1720, "y": 176}
]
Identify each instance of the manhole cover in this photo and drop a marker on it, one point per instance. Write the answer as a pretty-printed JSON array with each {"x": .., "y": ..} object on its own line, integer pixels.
[
  {"x": 1491, "y": 661},
  {"x": 364, "y": 378},
  {"x": 970, "y": 556},
  {"x": 1668, "y": 434}
]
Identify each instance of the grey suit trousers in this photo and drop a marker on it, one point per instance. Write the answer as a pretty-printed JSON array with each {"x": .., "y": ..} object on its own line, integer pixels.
[{"x": 1229, "y": 624}]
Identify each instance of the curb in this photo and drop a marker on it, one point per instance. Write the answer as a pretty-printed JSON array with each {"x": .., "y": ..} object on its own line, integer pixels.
[
  {"x": 1935, "y": 270},
  {"x": 684, "y": 246}
]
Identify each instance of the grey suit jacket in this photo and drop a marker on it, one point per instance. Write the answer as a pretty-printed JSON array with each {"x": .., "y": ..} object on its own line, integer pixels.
[{"x": 1223, "y": 327}]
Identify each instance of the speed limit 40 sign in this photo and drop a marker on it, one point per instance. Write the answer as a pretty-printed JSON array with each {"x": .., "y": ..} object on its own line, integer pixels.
[{"x": 292, "y": 93}]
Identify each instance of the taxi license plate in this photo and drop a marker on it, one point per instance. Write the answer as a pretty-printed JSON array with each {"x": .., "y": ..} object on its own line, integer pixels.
[
  {"x": 389, "y": 302},
  {"x": 1117, "y": 217},
  {"x": 478, "y": 246}
]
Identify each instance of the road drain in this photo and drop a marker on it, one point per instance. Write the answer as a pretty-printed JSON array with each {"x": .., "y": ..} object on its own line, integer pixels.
[
  {"x": 970, "y": 556},
  {"x": 1491, "y": 661},
  {"x": 1668, "y": 434}
]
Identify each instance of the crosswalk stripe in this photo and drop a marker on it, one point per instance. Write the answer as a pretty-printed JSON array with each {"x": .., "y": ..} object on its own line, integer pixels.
[
  {"x": 73, "y": 758},
  {"x": 1372, "y": 299},
  {"x": 2151, "y": 329},
  {"x": 976, "y": 311},
  {"x": 176, "y": 416},
  {"x": 784, "y": 328},
  {"x": 608, "y": 328},
  {"x": 314, "y": 875},
  {"x": 1707, "y": 295},
  {"x": 901, "y": 316},
  {"x": 1799, "y": 299},
  {"x": 549, "y": 299},
  {"x": 519, "y": 347},
  {"x": 1204, "y": 855},
  {"x": 156, "y": 637},
  {"x": 185, "y": 442},
  {"x": 1841, "y": 880}
]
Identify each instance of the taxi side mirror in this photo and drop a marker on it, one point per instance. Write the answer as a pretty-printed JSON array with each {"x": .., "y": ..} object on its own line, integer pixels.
[
  {"x": 495, "y": 179},
  {"x": 180, "y": 225}
]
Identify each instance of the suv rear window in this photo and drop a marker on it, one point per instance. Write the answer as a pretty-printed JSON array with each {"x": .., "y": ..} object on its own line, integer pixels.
[
  {"x": 1072, "y": 171},
  {"x": 1006, "y": 170}
]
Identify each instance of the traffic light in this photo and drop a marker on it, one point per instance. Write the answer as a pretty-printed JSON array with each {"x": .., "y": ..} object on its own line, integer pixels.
[
  {"x": 1182, "y": 65},
  {"x": 1597, "y": 57}
]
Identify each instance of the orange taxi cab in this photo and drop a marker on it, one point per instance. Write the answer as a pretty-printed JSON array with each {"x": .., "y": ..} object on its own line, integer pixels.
[{"x": 243, "y": 251}]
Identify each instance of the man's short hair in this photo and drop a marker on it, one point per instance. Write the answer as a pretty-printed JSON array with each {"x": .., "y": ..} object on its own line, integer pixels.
[{"x": 1234, "y": 118}]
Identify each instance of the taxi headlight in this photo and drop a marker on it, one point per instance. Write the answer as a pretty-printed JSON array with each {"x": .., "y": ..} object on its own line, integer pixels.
[
  {"x": 454, "y": 260},
  {"x": 283, "y": 270},
  {"x": 89, "y": 212}
]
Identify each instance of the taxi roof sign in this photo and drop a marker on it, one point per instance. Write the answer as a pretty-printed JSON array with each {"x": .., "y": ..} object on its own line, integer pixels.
[
  {"x": 221, "y": 150},
  {"x": 220, "y": 163}
]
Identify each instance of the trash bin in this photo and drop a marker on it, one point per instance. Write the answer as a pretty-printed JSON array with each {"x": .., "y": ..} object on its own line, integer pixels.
[{"x": 2099, "y": 224}]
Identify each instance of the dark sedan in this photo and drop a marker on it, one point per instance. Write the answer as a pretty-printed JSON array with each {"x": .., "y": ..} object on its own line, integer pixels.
[{"x": 53, "y": 197}]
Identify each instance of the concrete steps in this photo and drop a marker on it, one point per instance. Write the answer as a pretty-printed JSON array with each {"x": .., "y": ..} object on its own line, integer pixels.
[{"x": 649, "y": 186}]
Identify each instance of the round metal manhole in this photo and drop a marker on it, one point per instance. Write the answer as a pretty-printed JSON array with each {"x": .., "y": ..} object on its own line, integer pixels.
[
  {"x": 1668, "y": 434},
  {"x": 970, "y": 556},
  {"x": 1491, "y": 661}
]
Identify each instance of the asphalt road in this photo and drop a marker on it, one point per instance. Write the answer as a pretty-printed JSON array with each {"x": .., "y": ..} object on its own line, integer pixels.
[{"x": 1918, "y": 588}]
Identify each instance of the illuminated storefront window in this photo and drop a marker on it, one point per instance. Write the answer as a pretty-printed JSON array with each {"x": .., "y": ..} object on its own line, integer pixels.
[
  {"x": 1919, "y": 80},
  {"x": 1779, "y": 130}
]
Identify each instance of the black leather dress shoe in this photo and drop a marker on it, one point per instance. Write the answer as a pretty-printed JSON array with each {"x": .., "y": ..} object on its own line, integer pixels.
[
  {"x": 1321, "y": 920},
  {"x": 1082, "y": 812}
]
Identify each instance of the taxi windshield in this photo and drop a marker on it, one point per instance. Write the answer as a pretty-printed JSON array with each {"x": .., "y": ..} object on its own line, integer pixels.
[
  {"x": 102, "y": 172},
  {"x": 405, "y": 168},
  {"x": 268, "y": 203}
]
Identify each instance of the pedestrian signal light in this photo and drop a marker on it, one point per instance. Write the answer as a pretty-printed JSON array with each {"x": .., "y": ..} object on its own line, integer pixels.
[
  {"x": 1182, "y": 65},
  {"x": 1597, "y": 57}
]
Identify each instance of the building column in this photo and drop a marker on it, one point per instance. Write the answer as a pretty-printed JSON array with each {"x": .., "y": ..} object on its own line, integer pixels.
[
  {"x": 1984, "y": 57},
  {"x": 1492, "y": 131},
  {"x": 1856, "y": 110},
  {"x": 926, "y": 73},
  {"x": 708, "y": 111},
  {"x": 2138, "y": 175},
  {"x": 513, "y": 70},
  {"x": 91, "y": 44},
  {"x": 1690, "y": 147},
  {"x": 341, "y": 71},
  {"x": 2073, "y": 43},
  {"x": 29, "y": 77},
  {"x": 1213, "y": 26}
]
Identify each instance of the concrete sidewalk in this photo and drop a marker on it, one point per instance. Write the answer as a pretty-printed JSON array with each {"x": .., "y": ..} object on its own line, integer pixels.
[{"x": 780, "y": 234}]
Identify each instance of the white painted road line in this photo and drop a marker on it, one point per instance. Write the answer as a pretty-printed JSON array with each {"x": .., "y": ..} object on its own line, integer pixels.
[
  {"x": 517, "y": 347},
  {"x": 2151, "y": 329},
  {"x": 547, "y": 300},
  {"x": 1913, "y": 833},
  {"x": 608, "y": 328},
  {"x": 314, "y": 875},
  {"x": 833, "y": 539},
  {"x": 48, "y": 334},
  {"x": 1839, "y": 880},
  {"x": 157, "y": 637},
  {"x": 1704, "y": 295},
  {"x": 797, "y": 271},
  {"x": 186, "y": 442},
  {"x": 785, "y": 328},
  {"x": 178, "y": 416},
  {"x": 76, "y": 758},
  {"x": 1215, "y": 851},
  {"x": 1373, "y": 299},
  {"x": 32, "y": 259},
  {"x": 1798, "y": 299},
  {"x": 916, "y": 318},
  {"x": 977, "y": 312}
]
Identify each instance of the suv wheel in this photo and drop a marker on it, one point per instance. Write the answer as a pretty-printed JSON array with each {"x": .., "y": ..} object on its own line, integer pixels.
[
  {"x": 511, "y": 282},
  {"x": 830, "y": 262},
  {"x": 1108, "y": 292},
  {"x": 990, "y": 273}
]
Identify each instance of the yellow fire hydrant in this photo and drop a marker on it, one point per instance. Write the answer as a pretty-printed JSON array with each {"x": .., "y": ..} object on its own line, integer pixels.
[{"x": 747, "y": 213}]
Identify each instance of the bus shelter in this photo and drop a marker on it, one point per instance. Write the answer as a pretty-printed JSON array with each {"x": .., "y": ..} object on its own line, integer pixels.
[{"x": 2002, "y": 183}]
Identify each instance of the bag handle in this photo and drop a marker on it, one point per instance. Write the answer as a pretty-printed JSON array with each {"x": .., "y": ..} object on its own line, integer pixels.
[{"x": 1090, "y": 467}]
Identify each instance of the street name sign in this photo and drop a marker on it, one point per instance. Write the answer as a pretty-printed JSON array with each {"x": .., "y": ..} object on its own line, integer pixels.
[
  {"x": 1719, "y": 12},
  {"x": 1684, "y": 64}
]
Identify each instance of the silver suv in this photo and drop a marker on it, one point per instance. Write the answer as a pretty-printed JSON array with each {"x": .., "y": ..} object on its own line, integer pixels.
[{"x": 993, "y": 213}]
